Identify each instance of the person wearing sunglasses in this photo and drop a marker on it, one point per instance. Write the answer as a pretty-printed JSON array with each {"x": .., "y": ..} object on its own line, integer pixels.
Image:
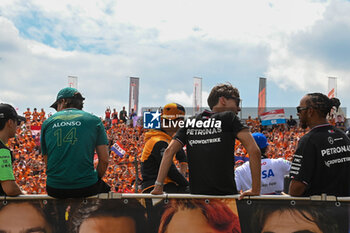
[
  {"x": 321, "y": 163},
  {"x": 210, "y": 139},
  {"x": 9, "y": 120}
]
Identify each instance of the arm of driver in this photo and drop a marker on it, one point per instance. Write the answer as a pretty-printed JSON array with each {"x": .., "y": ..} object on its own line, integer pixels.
[
  {"x": 253, "y": 150},
  {"x": 45, "y": 160},
  {"x": 296, "y": 188},
  {"x": 103, "y": 159},
  {"x": 167, "y": 159},
  {"x": 11, "y": 188}
]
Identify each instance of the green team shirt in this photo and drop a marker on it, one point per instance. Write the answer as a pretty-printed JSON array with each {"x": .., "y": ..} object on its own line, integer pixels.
[
  {"x": 69, "y": 138},
  {"x": 6, "y": 172}
]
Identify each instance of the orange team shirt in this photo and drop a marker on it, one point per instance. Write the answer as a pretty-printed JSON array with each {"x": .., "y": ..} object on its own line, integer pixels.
[
  {"x": 27, "y": 114},
  {"x": 42, "y": 115},
  {"x": 35, "y": 116}
]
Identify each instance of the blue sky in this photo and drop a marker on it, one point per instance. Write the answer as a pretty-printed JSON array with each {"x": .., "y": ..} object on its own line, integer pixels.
[{"x": 296, "y": 45}]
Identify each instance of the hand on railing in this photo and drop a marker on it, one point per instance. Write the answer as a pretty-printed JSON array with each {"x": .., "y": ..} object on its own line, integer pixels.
[
  {"x": 249, "y": 192},
  {"x": 157, "y": 190}
]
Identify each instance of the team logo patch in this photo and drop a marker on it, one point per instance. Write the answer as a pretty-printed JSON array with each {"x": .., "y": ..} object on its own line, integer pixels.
[
  {"x": 151, "y": 120},
  {"x": 330, "y": 131},
  {"x": 330, "y": 140}
]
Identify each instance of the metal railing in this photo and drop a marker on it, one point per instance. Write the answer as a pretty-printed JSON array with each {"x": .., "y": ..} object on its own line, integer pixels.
[{"x": 112, "y": 195}]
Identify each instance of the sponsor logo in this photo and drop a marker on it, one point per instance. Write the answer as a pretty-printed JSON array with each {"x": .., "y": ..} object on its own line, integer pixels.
[
  {"x": 204, "y": 141},
  {"x": 330, "y": 140},
  {"x": 151, "y": 120},
  {"x": 193, "y": 123},
  {"x": 335, "y": 161},
  {"x": 267, "y": 174},
  {"x": 335, "y": 150}
]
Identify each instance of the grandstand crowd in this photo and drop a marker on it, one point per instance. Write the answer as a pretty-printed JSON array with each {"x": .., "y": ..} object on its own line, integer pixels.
[{"x": 123, "y": 170}]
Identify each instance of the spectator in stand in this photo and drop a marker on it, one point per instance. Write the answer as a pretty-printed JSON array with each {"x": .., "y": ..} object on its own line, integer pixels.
[
  {"x": 42, "y": 115},
  {"x": 35, "y": 115},
  {"x": 156, "y": 142},
  {"x": 9, "y": 120},
  {"x": 214, "y": 175},
  {"x": 291, "y": 122},
  {"x": 108, "y": 117},
  {"x": 321, "y": 162},
  {"x": 132, "y": 114},
  {"x": 27, "y": 114},
  {"x": 340, "y": 123},
  {"x": 69, "y": 139},
  {"x": 114, "y": 116},
  {"x": 249, "y": 122},
  {"x": 272, "y": 171},
  {"x": 123, "y": 115}
]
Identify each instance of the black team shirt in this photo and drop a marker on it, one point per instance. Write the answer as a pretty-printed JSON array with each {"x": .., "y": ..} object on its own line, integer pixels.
[
  {"x": 210, "y": 140},
  {"x": 322, "y": 162}
]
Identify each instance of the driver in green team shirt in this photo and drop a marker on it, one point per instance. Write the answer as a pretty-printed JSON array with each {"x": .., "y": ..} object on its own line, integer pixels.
[
  {"x": 69, "y": 139},
  {"x": 9, "y": 120}
]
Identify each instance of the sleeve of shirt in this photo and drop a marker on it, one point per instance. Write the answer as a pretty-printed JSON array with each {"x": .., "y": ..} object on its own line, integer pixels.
[
  {"x": 181, "y": 135},
  {"x": 286, "y": 166},
  {"x": 173, "y": 173},
  {"x": 181, "y": 156},
  {"x": 303, "y": 164},
  {"x": 6, "y": 172},
  {"x": 101, "y": 134},
  {"x": 237, "y": 125}
]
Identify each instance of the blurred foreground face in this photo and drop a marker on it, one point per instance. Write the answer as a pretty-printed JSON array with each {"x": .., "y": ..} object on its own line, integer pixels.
[
  {"x": 108, "y": 225},
  {"x": 289, "y": 222},
  {"x": 189, "y": 221},
  {"x": 22, "y": 218}
]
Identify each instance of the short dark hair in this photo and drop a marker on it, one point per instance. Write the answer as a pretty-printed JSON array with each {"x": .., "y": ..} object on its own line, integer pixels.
[
  {"x": 76, "y": 102},
  {"x": 93, "y": 208},
  {"x": 320, "y": 216},
  {"x": 222, "y": 89},
  {"x": 322, "y": 103},
  {"x": 3, "y": 123}
]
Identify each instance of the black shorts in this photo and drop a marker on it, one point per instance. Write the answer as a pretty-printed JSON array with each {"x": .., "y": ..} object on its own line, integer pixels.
[{"x": 99, "y": 187}]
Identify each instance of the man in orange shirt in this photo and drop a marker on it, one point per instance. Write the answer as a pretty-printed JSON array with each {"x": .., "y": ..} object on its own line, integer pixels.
[
  {"x": 42, "y": 114},
  {"x": 27, "y": 114},
  {"x": 35, "y": 115}
]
